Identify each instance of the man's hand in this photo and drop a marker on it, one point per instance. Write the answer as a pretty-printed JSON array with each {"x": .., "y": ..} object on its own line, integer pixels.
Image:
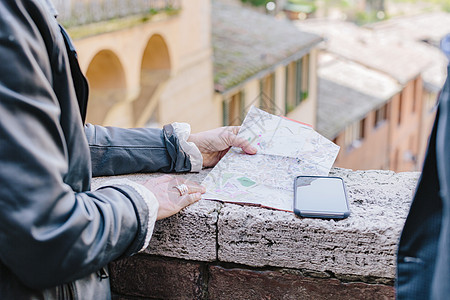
[
  {"x": 169, "y": 197},
  {"x": 214, "y": 144}
]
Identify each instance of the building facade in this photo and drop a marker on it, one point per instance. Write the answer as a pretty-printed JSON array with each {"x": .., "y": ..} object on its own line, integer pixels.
[
  {"x": 149, "y": 68},
  {"x": 262, "y": 61},
  {"x": 389, "y": 133}
]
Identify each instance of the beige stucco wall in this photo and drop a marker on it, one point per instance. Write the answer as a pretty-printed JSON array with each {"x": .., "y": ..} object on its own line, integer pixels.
[
  {"x": 280, "y": 89},
  {"x": 252, "y": 92},
  {"x": 189, "y": 98},
  {"x": 188, "y": 93},
  {"x": 306, "y": 112}
]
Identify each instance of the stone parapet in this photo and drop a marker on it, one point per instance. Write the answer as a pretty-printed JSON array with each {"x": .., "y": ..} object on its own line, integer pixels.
[
  {"x": 80, "y": 12},
  {"x": 214, "y": 250}
]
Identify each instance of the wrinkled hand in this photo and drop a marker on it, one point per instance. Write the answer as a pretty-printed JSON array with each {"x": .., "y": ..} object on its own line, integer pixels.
[
  {"x": 214, "y": 144},
  {"x": 170, "y": 201}
]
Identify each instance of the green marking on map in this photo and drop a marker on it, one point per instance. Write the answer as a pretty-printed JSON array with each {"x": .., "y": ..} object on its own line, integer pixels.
[
  {"x": 226, "y": 176},
  {"x": 246, "y": 181}
]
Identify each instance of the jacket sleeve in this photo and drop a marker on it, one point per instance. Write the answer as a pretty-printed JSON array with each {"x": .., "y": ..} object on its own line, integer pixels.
[
  {"x": 117, "y": 151},
  {"x": 49, "y": 232}
]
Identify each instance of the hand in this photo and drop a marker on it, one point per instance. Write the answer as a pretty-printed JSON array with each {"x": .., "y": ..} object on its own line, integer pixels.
[
  {"x": 169, "y": 198},
  {"x": 214, "y": 144}
]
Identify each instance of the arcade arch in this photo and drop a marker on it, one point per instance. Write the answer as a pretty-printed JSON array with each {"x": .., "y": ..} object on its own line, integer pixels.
[
  {"x": 155, "y": 72},
  {"x": 107, "y": 85}
]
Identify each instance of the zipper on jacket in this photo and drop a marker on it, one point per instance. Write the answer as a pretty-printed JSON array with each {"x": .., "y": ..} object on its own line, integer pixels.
[
  {"x": 72, "y": 291},
  {"x": 102, "y": 273},
  {"x": 65, "y": 292}
]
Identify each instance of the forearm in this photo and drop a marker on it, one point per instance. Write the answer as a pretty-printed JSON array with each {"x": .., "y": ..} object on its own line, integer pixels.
[{"x": 119, "y": 151}]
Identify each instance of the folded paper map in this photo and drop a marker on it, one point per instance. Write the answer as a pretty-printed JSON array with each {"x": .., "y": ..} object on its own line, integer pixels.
[{"x": 286, "y": 149}]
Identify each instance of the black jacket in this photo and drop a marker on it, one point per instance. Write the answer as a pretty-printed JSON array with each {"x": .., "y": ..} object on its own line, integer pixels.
[
  {"x": 423, "y": 270},
  {"x": 55, "y": 234}
]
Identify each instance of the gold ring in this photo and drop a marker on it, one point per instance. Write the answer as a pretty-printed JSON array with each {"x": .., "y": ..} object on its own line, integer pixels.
[{"x": 182, "y": 188}]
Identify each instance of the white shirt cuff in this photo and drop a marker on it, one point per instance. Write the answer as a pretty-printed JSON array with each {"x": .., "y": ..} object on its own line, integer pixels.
[
  {"x": 149, "y": 199},
  {"x": 183, "y": 131}
]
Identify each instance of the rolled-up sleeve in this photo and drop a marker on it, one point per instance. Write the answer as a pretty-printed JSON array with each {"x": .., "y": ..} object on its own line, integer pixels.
[{"x": 117, "y": 151}]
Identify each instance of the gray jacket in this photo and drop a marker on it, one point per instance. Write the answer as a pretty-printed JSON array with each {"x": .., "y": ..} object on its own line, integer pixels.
[{"x": 55, "y": 235}]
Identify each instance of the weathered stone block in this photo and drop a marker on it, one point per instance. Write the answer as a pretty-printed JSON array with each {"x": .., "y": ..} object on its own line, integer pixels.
[
  {"x": 156, "y": 278},
  {"x": 249, "y": 284},
  {"x": 361, "y": 247},
  {"x": 190, "y": 234}
]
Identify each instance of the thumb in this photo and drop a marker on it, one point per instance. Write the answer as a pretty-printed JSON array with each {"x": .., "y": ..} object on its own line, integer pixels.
[{"x": 242, "y": 143}]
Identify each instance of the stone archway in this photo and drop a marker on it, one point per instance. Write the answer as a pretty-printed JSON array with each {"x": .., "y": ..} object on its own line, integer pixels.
[
  {"x": 155, "y": 72},
  {"x": 107, "y": 85}
]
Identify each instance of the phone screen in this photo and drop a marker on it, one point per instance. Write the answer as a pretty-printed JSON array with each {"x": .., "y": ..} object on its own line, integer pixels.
[{"x": 323, "y": 197}]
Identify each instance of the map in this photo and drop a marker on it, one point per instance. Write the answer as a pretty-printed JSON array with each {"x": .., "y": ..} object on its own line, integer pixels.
[{"x": 286, "y": 149}]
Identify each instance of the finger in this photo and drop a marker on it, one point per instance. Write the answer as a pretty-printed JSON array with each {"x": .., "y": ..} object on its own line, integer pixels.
[
  {"x": 190, "y": 199},
  {"x": 195, "y": 187},
  {"x": 242, "y": 143},
  {"x": 192, "y": 187}
]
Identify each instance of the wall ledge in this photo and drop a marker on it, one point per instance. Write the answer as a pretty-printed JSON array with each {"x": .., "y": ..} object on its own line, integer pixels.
[{"x": 361, "y": 248}]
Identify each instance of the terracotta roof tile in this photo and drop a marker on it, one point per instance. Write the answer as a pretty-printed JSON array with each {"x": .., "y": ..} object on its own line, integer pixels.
[
  {"x": 246, "y": 42},
  {"x": 348, "y": 92}
]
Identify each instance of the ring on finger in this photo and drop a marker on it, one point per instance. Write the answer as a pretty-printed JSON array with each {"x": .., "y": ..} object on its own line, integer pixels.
[{"x": 182, "y": 188}]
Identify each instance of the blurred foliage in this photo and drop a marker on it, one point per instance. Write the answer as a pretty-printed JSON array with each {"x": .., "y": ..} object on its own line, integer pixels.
[
  {"x": 443, "y": 4},
  {"x": 306, "y": 6},
  {"x": 256, "y": 2},
  {"x": 372, "y": 13},
  {"x": 362, "y": 17}
]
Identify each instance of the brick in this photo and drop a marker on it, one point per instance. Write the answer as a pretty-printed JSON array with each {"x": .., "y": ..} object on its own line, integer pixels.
[
  {"x": 156, "y": 278},
  {"x": 250, "y": 284}
]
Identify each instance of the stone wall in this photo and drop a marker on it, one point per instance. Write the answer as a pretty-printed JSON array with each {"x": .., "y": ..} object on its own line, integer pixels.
[
  {"x": 80, "y": 12},
  {"x": 214, "y": 250}
]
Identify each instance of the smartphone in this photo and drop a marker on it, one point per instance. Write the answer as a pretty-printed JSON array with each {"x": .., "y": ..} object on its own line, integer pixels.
[{"x": 320, "y": 197}]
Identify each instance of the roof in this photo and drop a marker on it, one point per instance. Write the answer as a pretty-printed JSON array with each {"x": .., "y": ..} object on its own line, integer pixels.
[
  {"x": 430, "y": 27},
  {"x": 426, "y": 30},
  {"x": 348, "y": 91},
  {"x": 435, "y": 73},
  {"x": 247, "y": 44},
  {"x": 366, "y": 47}
]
